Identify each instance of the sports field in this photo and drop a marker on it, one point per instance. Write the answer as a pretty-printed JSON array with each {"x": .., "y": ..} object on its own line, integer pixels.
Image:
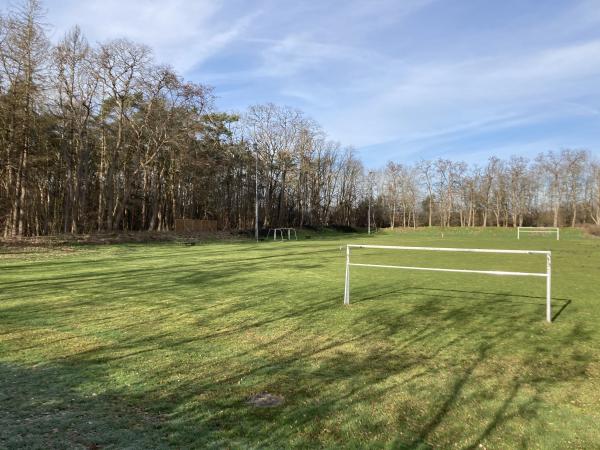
[{"x": 162, "y": 345}]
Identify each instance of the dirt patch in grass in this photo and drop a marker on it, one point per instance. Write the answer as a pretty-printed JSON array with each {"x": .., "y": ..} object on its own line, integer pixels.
[{"x": 265, "y": 400}]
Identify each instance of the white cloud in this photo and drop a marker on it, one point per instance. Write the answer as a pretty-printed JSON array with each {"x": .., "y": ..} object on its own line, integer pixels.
[
  {"x": 428, "y": 100},
  {"x": 182, "y": 33},
  {"x": 297, "y": 52},
  {"x": 354, "y": 67}
]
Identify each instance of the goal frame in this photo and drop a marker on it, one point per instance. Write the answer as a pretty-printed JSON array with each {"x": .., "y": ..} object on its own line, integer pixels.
[
  {"x": 547, "y": 274},
  {"x": 542, "y": 230},
  {"x": 281, "y": 230}
]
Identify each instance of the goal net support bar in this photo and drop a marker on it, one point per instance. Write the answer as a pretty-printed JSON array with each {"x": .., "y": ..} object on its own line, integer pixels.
[
  {"x": 547, "y": 274},
  {"x": 538, "y": 230}
]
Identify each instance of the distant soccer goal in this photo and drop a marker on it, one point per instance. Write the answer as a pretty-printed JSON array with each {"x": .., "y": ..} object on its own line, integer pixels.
[
  {"x": 547, "y": 274},
  {"x": 542, "y": 230},
  {"x": 283, "y": 233}
]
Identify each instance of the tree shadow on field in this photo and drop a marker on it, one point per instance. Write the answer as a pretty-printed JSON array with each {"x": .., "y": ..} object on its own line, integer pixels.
[
  {"x": 471, "y": 296},
  {"x": 46, "y": 407},
  {"x": 401, "y": 368},
  {"x": 112, "y": 287},
  {"x": 197, "y": 271},
  {"x": 174, "y": 255},
  {"x": 519, "y": 391}
]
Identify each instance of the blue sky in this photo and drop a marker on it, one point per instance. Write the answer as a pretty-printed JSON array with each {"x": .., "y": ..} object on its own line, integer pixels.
[{"x": 396, "y": 79}]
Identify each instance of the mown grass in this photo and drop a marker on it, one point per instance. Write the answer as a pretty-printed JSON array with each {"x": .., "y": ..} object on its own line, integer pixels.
[{"x": 161, "y": 345}]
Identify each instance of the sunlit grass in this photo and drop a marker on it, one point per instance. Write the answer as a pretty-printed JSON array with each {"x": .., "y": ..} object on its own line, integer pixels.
[{"x": 161, "y": 345}]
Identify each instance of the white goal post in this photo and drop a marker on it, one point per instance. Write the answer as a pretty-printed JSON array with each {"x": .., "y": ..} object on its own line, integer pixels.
[
  {"x": 547, "y": 274},
  {"x": 538, "y": 230},
  {"x": 281, "y": 231}
]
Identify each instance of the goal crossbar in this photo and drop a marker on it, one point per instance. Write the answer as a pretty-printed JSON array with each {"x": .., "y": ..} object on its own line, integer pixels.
[
  {"x": 450, "y": 249},
  {"x": 538, "y": 230},
  {"x": 546, "y": 274}
]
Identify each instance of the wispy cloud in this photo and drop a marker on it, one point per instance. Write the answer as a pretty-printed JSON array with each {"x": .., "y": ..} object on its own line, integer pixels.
[
  {"x": 383, "y": 75},
  {"x": 296, "y": 53},
  {"x": 433, "y": 99},
  {"x": 181, "y": 32}
]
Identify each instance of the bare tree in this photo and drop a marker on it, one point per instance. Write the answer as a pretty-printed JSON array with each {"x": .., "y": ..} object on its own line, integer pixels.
[
  {"x": 518, "y": 188},
  {"x": 573, "y": 162},
  {"x": 23, "y": 56},
  {"x": 550, "y": 166},
  {"x": 426, "y": 169},
  {"x": 76, "y": 86},
  {"x": 594, "y": 192},
  {"x": 104, "y": 138}
]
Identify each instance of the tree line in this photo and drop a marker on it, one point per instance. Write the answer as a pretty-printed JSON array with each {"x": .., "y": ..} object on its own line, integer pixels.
[
  {"x": 556, "y": 188},
  {"x": 97, "y": 138}
]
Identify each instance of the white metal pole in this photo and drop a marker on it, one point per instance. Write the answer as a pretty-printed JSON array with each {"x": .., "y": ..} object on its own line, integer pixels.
[
  {"x": 369, "y": 216},
  {"x": 347, "y": 286},
  {"x": 451, "y": 249},
  {"x": 558, "y": 234},
  {"x": 548, "y": 287},
  {"x": 518, "y": 233},
  {"x": 256, "y": 192}
]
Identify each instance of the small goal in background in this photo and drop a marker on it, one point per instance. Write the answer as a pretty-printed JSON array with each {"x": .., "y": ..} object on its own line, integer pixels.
[
  {"x": 284, "y": 233},
  {"x": 540, "y": 230}
]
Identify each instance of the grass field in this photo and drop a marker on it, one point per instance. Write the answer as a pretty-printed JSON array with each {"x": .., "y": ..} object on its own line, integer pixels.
[{"x": 161, "y": 346}]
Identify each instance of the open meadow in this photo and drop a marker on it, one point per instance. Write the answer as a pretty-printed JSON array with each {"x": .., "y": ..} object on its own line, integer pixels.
[{"x": 162, "y": 345}]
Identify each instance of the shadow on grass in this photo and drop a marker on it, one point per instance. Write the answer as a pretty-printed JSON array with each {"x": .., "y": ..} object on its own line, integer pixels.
[
  {"x": 418, "y": 371},
  {"x": 469, "y": 296},
  {"x": 561, "y": 309},
  {"x": 177, "y": 369},
  {"x": 45, "y": 407}
]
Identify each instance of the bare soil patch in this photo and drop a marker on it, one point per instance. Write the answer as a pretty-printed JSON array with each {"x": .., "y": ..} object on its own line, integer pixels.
[{"x": 266, "y": 400}]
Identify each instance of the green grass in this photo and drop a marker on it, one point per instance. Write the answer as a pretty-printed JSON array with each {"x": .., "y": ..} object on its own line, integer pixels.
[{"x": 161, "y": 345}]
